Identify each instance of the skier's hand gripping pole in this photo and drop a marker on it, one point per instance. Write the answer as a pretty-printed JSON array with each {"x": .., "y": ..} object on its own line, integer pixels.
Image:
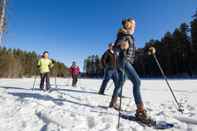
[{"x": 152, "y": 51}]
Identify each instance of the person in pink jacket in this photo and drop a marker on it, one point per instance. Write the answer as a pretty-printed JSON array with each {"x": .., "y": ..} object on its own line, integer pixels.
[{"x": 75, "y": 71}]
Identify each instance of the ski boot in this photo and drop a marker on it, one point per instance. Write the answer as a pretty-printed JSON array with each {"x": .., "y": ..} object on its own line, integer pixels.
[
  {"x": 113, "y": 103},
  {"x": 141, "y": 115},
  {"x": 101, "y": 92}
]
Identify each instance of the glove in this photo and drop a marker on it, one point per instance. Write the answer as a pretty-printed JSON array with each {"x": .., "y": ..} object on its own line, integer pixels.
[{"x": 151, "y": 51}]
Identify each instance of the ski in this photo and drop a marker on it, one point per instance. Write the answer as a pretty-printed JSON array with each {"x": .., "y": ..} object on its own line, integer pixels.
[{"x": 148, "y": 123}]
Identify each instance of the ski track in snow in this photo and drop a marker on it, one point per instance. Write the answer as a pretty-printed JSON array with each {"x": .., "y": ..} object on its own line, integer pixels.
[{"x": 81, "y": 109}]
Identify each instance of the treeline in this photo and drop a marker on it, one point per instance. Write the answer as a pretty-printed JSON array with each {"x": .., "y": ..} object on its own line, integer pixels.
[
  {"x": 176, "y": 52},
  {"x": 93, "y": 67},
  {"x": 16, "y": 63}
]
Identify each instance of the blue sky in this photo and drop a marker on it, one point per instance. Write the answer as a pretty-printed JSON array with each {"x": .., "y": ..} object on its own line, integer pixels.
[{"x": 74, "y": 29}]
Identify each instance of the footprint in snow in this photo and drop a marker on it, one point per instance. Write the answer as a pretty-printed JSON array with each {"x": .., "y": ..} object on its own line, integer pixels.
[
  {"x": 190, "y": 108},
  {"x": 91, "y": 122}
]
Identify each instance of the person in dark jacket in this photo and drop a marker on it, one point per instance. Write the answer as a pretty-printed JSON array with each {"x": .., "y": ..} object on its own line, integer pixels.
[
  {"x": 109, "y": 62},
  {"x": 125, "y": 48},
  {"x": 75, "y": 71}
]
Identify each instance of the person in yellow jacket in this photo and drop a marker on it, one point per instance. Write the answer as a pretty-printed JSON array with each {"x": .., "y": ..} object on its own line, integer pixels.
[{"x": 44, "y": 65}]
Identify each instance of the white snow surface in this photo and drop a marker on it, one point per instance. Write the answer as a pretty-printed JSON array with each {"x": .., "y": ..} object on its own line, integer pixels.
[{"x": 80, "y": 108}]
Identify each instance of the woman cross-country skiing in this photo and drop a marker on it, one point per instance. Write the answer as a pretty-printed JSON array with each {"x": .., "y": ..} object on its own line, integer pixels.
[
  {"x": 75, "y": 72},
  {"x": 125, "y": 49},
  {"x": 44, "y": 65}
]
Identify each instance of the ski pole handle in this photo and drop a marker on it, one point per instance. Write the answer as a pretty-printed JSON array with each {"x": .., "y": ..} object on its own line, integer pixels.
[{"x": 151, "y": 50}]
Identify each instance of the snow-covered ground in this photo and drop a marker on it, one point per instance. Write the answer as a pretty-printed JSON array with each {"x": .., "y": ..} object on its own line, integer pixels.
[{"x": 82, "y": 109}]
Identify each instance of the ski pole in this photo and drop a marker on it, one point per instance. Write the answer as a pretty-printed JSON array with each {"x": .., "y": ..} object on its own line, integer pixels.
[
  {"x": 152, "y": 49},
  {"x": 55, "y": 82},
  {"x": 121, "y": 91},
  {"x": 34, "y": 82},
  {"x": 35, "y": 77},
  {"x": 54, "y": 71},
  {"x": 119, "y": 115}
]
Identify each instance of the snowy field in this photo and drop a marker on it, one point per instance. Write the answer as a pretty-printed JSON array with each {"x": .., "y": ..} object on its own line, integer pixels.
[{"x": 82, "y": 109}]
